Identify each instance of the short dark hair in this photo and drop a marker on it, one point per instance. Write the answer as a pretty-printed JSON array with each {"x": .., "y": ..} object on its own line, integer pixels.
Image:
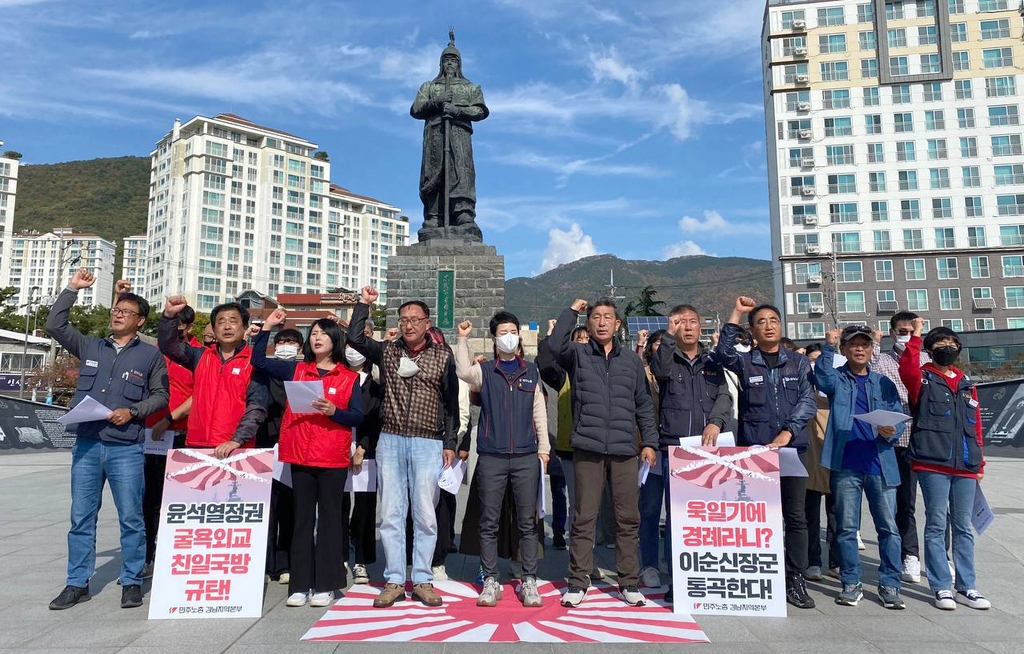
[
  {"x": 683, "y": 308},
  {"x": 576, "y": 332},
  {"x": 762, "y": 307},
  {"x": 289, "y": 335},
  {"x": 788, "y": 343},
  {"x": 230, "y": 306},
  {"x": 939, "y": 333},
  {"x": 140, "y": 303},
  {"x": 416, "y": 303},
  {"x": 901, "y": 316},
  {"x": 337, "y": 336},
  {"x": 187, "y": 316},
  {"x": 501, "y": 318},
  {"x": 811, "y": 349},
  {"x": 744, "y": 337},
  {"x": 653, "y": 339},
  {"x": 603, "y": 302}
]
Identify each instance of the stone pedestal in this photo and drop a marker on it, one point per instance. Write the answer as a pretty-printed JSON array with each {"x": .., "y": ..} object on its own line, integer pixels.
[{"x": 479, "y": 284}]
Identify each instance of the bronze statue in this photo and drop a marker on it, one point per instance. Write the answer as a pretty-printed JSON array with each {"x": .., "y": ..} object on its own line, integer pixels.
[{"x": 449, "y": 104}]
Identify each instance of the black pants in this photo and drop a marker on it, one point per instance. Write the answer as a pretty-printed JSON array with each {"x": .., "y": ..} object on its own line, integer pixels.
[
  {"x": 281, "y": 527},
  {"x": 317, "y": 563},
  {"x": 151, "y": 499},
  {"x": 362, "y": 526},
  {"x": 794, "y": 495},
  {"x": 813, "y": 508},
  {"x": 496, "y": 471},
  {"x": 906, "y": 505}
]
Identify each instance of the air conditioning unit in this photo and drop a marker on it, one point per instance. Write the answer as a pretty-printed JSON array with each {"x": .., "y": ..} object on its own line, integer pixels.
[
  {"x": 888, "y": 306},
  {"x": 803, "y": 106},
  {"x": 799, "y": 25},
  {"x": 984, "y": 303},
  {"x": 811, "y": 221},
  {"x": 813, "y": 249},
  {"x": 807, "y": 162},
  {"x": 814, "y": 279},
  {"x": 801, "y": 78},
  {"x": 807, "y": 190},
  {"x": 805, "y": 134},
  {"x": 817, "y": 309},
  {"x": 799, "y": 51}
]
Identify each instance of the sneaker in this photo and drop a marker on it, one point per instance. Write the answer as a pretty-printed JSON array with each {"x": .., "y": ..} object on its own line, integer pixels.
[
  {"x": 649, "y": 578},
  {"x": 426, "y": 595},
  {"x": 285, "y": 578},
  {"x": 147, "y": 571},
  {"x": 796, "y": 592},
  {"x": 973, "y": 599},
  {"x": 860, "y": 543},
  {"x": 359, "y": 574},
  {"x": 297, "y": 599},
  {"x": 491, "y": 593},
  {"x": 813, "y": 573},
  {"x": 944, "y": 600},
  {"x": 833, "y": 572},
  {"x": 850, "y": 595},
  {"x": 558, "y": 542},
  {"x": 911, "y": 569},
  {"x": 479, "y": 576},
  {"x": 528, "y": 593},
  {"x": 631, "y": 595},
  {"x": 131, "y": 596},
  {"x": 573, "y": 596},
  {"x": 322, "y": 599},
  {"x": 890, "y": 597},
  {"x": 70, "y": 596},
  {"x": 440, "y": 574},
  {"x": 392, "y": 593}
]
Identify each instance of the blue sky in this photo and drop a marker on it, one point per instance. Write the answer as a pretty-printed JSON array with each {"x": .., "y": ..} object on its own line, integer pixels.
[{"x": 634, "y": 129}]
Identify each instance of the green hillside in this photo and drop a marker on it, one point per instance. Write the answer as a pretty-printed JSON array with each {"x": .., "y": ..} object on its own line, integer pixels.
[{"x": 709, "y": 283}]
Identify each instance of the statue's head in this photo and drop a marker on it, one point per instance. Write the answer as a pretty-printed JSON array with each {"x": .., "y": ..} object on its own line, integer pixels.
[{"x": 451, "y": 59}]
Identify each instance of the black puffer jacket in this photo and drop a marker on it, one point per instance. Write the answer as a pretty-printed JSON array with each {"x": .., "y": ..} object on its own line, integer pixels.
[{"x": 610, "y": 396}]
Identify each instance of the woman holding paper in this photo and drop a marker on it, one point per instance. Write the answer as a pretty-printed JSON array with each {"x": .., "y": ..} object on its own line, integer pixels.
[{"x": 317, "y": 443}]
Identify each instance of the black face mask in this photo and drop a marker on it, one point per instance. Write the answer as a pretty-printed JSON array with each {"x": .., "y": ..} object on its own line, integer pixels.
[{"x": 945, "y": 355}]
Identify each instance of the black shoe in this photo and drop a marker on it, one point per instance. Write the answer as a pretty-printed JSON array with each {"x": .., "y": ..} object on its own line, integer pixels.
[
  {"x": 558, "y": 542},
  {"x": 68, "y": 597},
  {"x": 131, "y": 596},
  {"x": 796, "y": 592}
]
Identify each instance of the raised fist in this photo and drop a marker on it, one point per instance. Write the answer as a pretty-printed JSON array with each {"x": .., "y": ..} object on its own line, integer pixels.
[
  {"x": 832, "y": 337},
  {"x": 174, "y": 305},
  {"x": 369, "y": 295},
  {"x": 253, "y": 330},
  {"x": 918, "y": 326},
  {"x": 121, "y": 287},
  {"x": 641, "y": 337},
  {"x": 876, "y": 336},
  {"x": 744, "y": 304},
  {"x": 674, "y": 323},
  {"x": 391, "y": 334},
  {"x": 579, "y": 306},
  {"x": 465, "y": 329},
  {"x": 82, "y": 279},
  {"x": 277, "y": 317},
  {"x": 551, "y": 325}
]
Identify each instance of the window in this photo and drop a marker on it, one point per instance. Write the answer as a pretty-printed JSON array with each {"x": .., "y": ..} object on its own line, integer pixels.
[
  {"x": 831, "y": 16},
  {"x": 907, "y": 180},
  {"x": 910, "y": 210},
  {"x": 999, "y": 87},
  {"x": 876, "y": 181},
  {"x": 804, "y": 301},
  {"x": 937, "y": 149},
  {"x": 866, "y": 13},
  {"x": 838, "y": 127},
  {"x": 867, "y": 40},
  {"x": 914, "y": 269},
  {"x": 930, "y": 64},
  {"x": 1014, "y": 297},
  {"x": 869, "y": 68},
  {"x": 795, "y": 127},
  {"x": 797, "y": 155},
  {"x": 965, "y": 118},
  {"x": 803, "y": 271},
  {"x": 798, "y": 184},
  {"x": 961, "y": 60},
  {"x": 879, "y": 212},
  {"x": 997, "y": 58},
  {"x": 927, "y": 35},
  {"x": 971, "y": 176},
  {"x": 901, "y": 94},
  {"x": 873, "y": 124},
  {"x": 875, "y": 153},
  {"x": 938, "y": 177},
  {"x": 917, "y": 299},
  {"x": 829, "y": 43},
  {"x": 842, "y": 183},
  {"x": 801, "y": 211},
  {"x": 905, "y": 151},
  {"x": 1013, "y": 266},
  {"x": 1010, "y": 205},
  {"x": 801, "y": 241},
  {"x": 894, "y": 10},
  {"x": 925, "y": 8},
  {"x": 810, "y": 330},
  {"x": 944, "y": 237},
  {"x": 968, "y": 146},
  {"x": 992, "y": 5},
  {"x": 1003, "y": 115},
  {"x": 871, "y": 98},
  {"x": 981, "y": 293},
  {"x": 881, "y": 240},
  {"x": 964, "y": 91},
  {"x": 956, "y": 324},
  {"x": 904, "y": 122},
  {"x": 1004, "y": 146},
  {"x": 979, "y": 267},
  {"x": 982, "y": 324},
  {"x": 897, "y": 38},
  {"x": 995, "y": 29},
  {"x": 898, "y": 66},
  {"x": 958, "y": 32},
  {"x": 942, "y": 208},
  {"x": 1009, "y": 174},
  {"x": 883, "y": 270},
  {"x": 832, "y": 71},
  {"x": 912, "y": 238},
  {"x": 838, "y": 155},
  {"x": 883, "y": 297},
  {"x": 846, "y": 242},
  {"x": 845, "y": 212},
  {"x": 947, "y": 268},
  {"x": 933, "y": 92},
  {"x": 956, "y": 6},
  {"x": 850, "y": 301},
  {"x": 850, "y": 271},
  {"x": 837, "y": 99},
  {"x": 934, "y": 120},
  {"x": 794, "y": 99},
  {"x": 976, "y": 236},
  {"x": 789, "y": 16},
  {"x": 790, "y": 72}
]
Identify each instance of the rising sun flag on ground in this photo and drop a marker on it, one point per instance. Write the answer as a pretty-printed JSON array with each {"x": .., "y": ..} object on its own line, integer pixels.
[{"x": 701, "y": 467}]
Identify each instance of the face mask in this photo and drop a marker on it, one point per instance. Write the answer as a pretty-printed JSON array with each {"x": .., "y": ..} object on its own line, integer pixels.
[
  {"x": 507, "y": 343},
  {"x": 407, "y": 368},
  {"x": 354, "y": 358},
  {"x": 903, "y": 340},
  {"x": 945, "y": 355},
  {"x": 286, "y": 351},
  {"x": 742, "y": 348}
]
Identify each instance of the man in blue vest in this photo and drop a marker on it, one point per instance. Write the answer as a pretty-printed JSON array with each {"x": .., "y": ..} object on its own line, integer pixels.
[{"x": 128, "y": 377}]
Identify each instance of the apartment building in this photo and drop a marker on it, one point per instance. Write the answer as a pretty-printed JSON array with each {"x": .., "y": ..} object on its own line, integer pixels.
[
  {"x": 47, "y": 261},
  {"x": 237, "y": 206},
  {"x": 896, "y": 171},
  {"x": 133, "y": 263},
  {"x": 8, "y": 195}
]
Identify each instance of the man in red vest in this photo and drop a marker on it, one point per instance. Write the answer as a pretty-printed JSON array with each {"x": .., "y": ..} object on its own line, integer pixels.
[{"x": 229, "y": 400}]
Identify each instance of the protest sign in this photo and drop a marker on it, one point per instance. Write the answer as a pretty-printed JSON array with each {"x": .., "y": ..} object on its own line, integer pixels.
[
  {"x": 727, "y": 542},
  {"x": 212, "y": 544}
]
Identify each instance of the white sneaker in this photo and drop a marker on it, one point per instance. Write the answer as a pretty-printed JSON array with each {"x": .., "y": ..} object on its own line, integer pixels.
[
  {"x": 359, "y": 574},
  {"x": 440, "y": 574},
  {"x": 284, "y": 579},
  {"x": 631, "y": 595},
  {"x": 574, "y": 596},
  {"x": 944, "y": 600},
  {"x": 649, "y": 578},
  {"x": 860, "y": 543},
  {"x": 322, "y": 599},
  {"x": 297, "y": 599},
  {"x": 973, "y": 599},
  {"x": 911, "y": 569},
  {"x": 813, "y": 573}
]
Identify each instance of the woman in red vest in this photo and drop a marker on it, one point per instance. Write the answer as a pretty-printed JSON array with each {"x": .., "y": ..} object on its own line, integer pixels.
[{"x": 318, "y": 446}]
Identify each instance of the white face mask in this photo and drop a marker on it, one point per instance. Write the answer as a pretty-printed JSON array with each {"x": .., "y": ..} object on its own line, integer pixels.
[
  {"x": 507, "y": 343},
  {"x": 286, "y": 351},
  {"x": 354, "y": 358},
  {"x": 903, "y": 340},
  {"x": 407, "y": 367},
  {"x": 742, "y": 348}
]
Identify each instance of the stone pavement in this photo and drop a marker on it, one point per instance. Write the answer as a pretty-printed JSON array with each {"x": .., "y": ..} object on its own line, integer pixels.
[{"x": 34, "y": 505}]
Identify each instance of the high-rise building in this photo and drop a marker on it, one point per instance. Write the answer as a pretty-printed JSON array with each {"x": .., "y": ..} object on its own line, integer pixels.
[
  {"x": 235, "y": 206},
  {"x": 47, "y": 262},
  {"x": 133, "y": 264},
  {"x": 896, "y": 174},
  {"x": 8, "y": 195}
]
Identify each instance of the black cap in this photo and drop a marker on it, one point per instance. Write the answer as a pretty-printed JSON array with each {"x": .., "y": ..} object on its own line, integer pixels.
[{"x": 856, "y": 330}]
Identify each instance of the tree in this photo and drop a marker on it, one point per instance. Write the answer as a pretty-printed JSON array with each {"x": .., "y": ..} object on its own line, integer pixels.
[
  {"x": 645, "y": 303},
  {"x": 321, "y": 155},
  {"x": 379, "y": 316},
  {"x": 60, "y": 374},
  {"x": 12, "y": 154}
]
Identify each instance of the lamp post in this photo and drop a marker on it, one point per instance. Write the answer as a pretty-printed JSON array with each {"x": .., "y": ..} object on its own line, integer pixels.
[{"x": 24, "y": 349}]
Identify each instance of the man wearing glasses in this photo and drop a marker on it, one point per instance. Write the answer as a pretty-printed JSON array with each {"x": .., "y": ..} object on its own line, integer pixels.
[
  {"x": 419, "y": 423},
  {"x": 776, "y": 401},
  {"x": 130, "y": 378}
]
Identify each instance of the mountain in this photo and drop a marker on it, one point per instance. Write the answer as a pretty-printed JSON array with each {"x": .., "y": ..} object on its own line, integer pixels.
[{"x": 708, "y": 283}]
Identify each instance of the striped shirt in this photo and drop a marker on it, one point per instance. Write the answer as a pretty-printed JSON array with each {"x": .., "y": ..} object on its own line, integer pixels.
[{"x": 887, "y": 363}]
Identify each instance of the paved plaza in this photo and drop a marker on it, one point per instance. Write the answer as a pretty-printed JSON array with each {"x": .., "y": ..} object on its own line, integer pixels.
[{"x": 34, "y": 506}]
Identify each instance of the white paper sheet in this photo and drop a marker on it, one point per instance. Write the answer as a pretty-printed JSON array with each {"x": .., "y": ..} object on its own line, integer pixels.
[
  {"x": 981, "y": 515},
  {"x": 882, "y": 418},
  {"x": 789, "y": 463},
  {"x": 542, "y": 493},
  {"x": 158, "y": 447},
  {"x": 88, "y": 410},
  {"x": 364, "y": 481},
  {"x": 645, "y": 469},
  {"x": 301, "y": 395},
  {"x": 725, "y": 439},
  {"x": 282, "y": 471},
  {"x": 450, "y": 479}
]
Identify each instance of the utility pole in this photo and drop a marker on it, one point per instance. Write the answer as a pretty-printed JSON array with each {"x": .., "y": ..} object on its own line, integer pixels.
[
  {"x": 24, "y": 348},
  {"x": 832, "y": 287}
]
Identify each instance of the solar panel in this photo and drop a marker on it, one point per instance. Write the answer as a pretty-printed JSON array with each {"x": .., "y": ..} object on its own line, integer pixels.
[{"x": 650, "y": 323}]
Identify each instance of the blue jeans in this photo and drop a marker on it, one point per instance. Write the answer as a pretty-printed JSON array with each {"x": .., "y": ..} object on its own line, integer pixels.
[
  {"x": 847, "y": 489},
  {"x": 93, "y": 463},
  {"x": 948, "y": 497},
  {"x": 407, "y": 470},
  {"x": 652, "y": 494}
]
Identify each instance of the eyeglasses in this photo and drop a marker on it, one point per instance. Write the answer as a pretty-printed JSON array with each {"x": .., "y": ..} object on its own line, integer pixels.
[
  {"x": 124, "y": 312},
  {"x": 410, "y": 321},
  {"x": 767, "y": 321}
]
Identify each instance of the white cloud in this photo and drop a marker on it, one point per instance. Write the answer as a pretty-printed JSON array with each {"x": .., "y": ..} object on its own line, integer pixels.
[
  {"x": 683, "y": 249},
  {"x": 566, "y": 167},
  {"x": 609, "y": 66},
  {"x": 566, "y": 246},
  {"x": 712, "y": 222}
]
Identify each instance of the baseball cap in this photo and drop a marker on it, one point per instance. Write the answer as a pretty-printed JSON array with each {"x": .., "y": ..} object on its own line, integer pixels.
[{"x": 855, "y": 330}]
